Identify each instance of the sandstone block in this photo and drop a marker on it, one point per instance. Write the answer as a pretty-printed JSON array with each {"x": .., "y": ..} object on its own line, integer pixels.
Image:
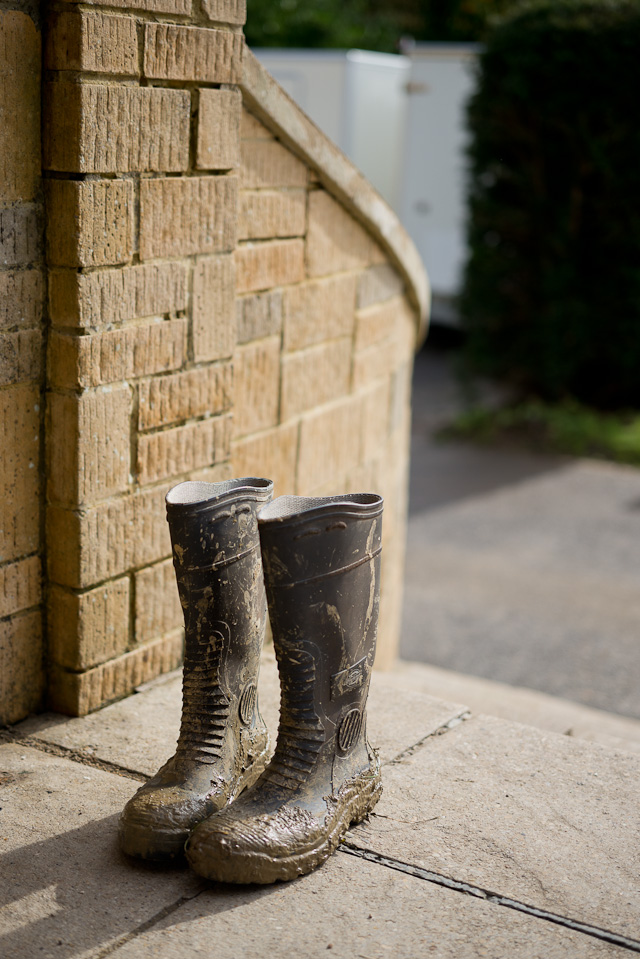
[
  {"x": 377, "y": 284},
  {"x": 272, "y": 453},
  {"x": 107, "y": 540},
  {"x": 179, "y": 217},
  {"x": 218, "y": 145},
  {"x": 173, "y": 52},
  {"x": 21, "y": 298},
  {"x": 20, "y": 585},
  {"x": 375, "y": 421},
  {"x": 19, "y": 471},
  {"x": 19, "y": 107},
  {"x": 213, "y": 308},
  {"x": 86, "y": 629},
  {"x": 380, "y": 321},
  {"x": 88, "y": 449},
  {"x": 374, "y": 363},
  {"x": 21, "y": 666},
  {"x": 20, "y": 356},
  {"x": 95, "y": 300},
  {"x": 164, "y": 400},
  {"x": 92, "y": 41},
  {"x": 84, "y": 132},
  {"x": 158, "y": 609},
  {"x": 266, "y": 214},
  {"x": 262, "y": 266},
  {"x": 20, "y": 236},
  {"x": 252, "y": 129},
  {"x": 257, "y": 386},
  {"x": 319, "y": 310},
  {"x": 329, "y": 444},
  {"x": 90, "y": 222},
  {"x": 171, "y": 453},
  {"x": 180, "y": 7},
  {"x": 258, "y": 316},
  {"x": 77, "y": 694},
  {"x": 116, "y": 355},
  {"x": 226, "y": 11},
  {"x": 315, "y": 376},
  {"x": 267, "y": 163},
  {"x": 335, "y": 241}
]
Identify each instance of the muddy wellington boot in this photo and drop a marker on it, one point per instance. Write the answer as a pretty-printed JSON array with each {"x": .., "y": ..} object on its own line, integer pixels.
[
  {"x": 223, "y": 744},
  {"x": 321, "y": 561}
]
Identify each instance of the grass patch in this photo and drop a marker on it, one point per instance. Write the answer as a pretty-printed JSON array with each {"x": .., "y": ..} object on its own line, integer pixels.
[{"x": 566, "y": 427}]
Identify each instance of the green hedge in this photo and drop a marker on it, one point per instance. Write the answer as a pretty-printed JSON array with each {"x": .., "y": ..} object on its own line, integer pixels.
[{"x": 551, "y": 296}]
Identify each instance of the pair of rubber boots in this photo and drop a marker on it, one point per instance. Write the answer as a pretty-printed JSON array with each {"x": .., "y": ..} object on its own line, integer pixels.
[{"x": 321, "y": 563}]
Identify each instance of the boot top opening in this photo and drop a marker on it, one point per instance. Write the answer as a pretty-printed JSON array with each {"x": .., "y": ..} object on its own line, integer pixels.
[
  {"x": 195, "y": 493},
  {"x": 296, "y": 507}
]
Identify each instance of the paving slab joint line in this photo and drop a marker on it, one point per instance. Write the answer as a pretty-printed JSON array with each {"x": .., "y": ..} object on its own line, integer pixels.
[
  {"x": 495, "y": 898},
  {"x": 145, "y": 926},
  {"x": 440, "y": 731},
  {"x": 75, "y": 755}
]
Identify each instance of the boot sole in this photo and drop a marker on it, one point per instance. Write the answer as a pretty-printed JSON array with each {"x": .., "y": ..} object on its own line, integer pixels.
[
  {"x": 354, "y": 802},
  {"x": 155, "y": 844}
]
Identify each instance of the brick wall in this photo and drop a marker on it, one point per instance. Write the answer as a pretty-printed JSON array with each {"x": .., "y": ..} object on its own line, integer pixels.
[
  {"x": 212, "y": 310},
  {"x": 21, "y": 364}
]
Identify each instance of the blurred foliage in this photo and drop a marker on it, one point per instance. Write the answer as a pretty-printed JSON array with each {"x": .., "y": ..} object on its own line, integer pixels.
[
  {"x": 367, "y": 24},
  {"x": 551, "y": 298},
  {"x": 565, "y": 427}
]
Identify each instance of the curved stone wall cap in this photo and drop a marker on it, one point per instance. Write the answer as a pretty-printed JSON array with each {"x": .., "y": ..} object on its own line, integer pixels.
[{"x": 275, "y": 108}]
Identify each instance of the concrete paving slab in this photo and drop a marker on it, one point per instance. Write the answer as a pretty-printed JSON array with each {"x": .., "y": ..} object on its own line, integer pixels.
[
  {"x": 66, "y": 890},
  {"x": 348, "y": 909},
  {"x": 545, "y": 819},
  {"x": 140, "y": 732},
  {"x": 520, "y": 705}
]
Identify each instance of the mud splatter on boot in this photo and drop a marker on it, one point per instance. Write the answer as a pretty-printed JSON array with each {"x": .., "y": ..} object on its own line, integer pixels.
[
  {"x": 322, "y": 571},
  {"x": 223, "y": 742}
]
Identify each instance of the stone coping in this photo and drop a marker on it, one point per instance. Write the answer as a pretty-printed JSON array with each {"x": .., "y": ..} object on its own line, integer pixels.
[{"x": 275, "y": 108}]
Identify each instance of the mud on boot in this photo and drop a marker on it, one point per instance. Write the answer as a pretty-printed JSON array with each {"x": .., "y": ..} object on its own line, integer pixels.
[
  {"x": 321, "y": 561},
  {"x": 223, "y": 744}
]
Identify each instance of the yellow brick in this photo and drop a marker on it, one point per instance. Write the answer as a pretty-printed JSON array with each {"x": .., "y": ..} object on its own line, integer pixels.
[
  {"x": 19, "y": 107},
  {"x": 20, "y": 356},
  {"x": 218, "y": 146},
  {"x": 20, "y": 585},
  {"x": 171, "y": 453},
  {"x": 262, "y": 266},
  {"x": 266, "y": 214},
  {"x": 181, "y": 396},
  {"x": 179, "y": 217},
  {"x": 90, "y": 222},
  {"x": 158, "y": 609},
  {"x": 378, "y": 283},
  {"x": 379, "y": 322},
  {"x": 315, "y": 376},
  {"x": 272, "y": 454},
  {"x": 20, "y": 236},
  {"x": 257, "y": 386},
  {"x": 77, "y": 694},
  {"x": 258, "y": 316},
  {"x": 86, "y": 121},
  {"x": 213, "y": 308},
  {"x": 319, "y": 310},
  {"x": 89, "y": 438},
  {"x": 267, "y": 163},
  {"x": 92, "y": 41},
  {"x": 329, "y": 444},
  {"x": 252, "y": 129},
  {"x": 86, "y": 629},
  {"x": 226, "y": 11},
  {"x": 335, "y": 241},
  {"x": 122, "y": 354},
  {"x": 21, "y": 298},
  {"x": 94, "y": 300},
  {"x": 174, "y": 52},
  {"x": 107, "y": 540},
  {"x": 21, "y": 666},
  {"x": 182, "y": 7},
  {"x": 19, "y": 471}
]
